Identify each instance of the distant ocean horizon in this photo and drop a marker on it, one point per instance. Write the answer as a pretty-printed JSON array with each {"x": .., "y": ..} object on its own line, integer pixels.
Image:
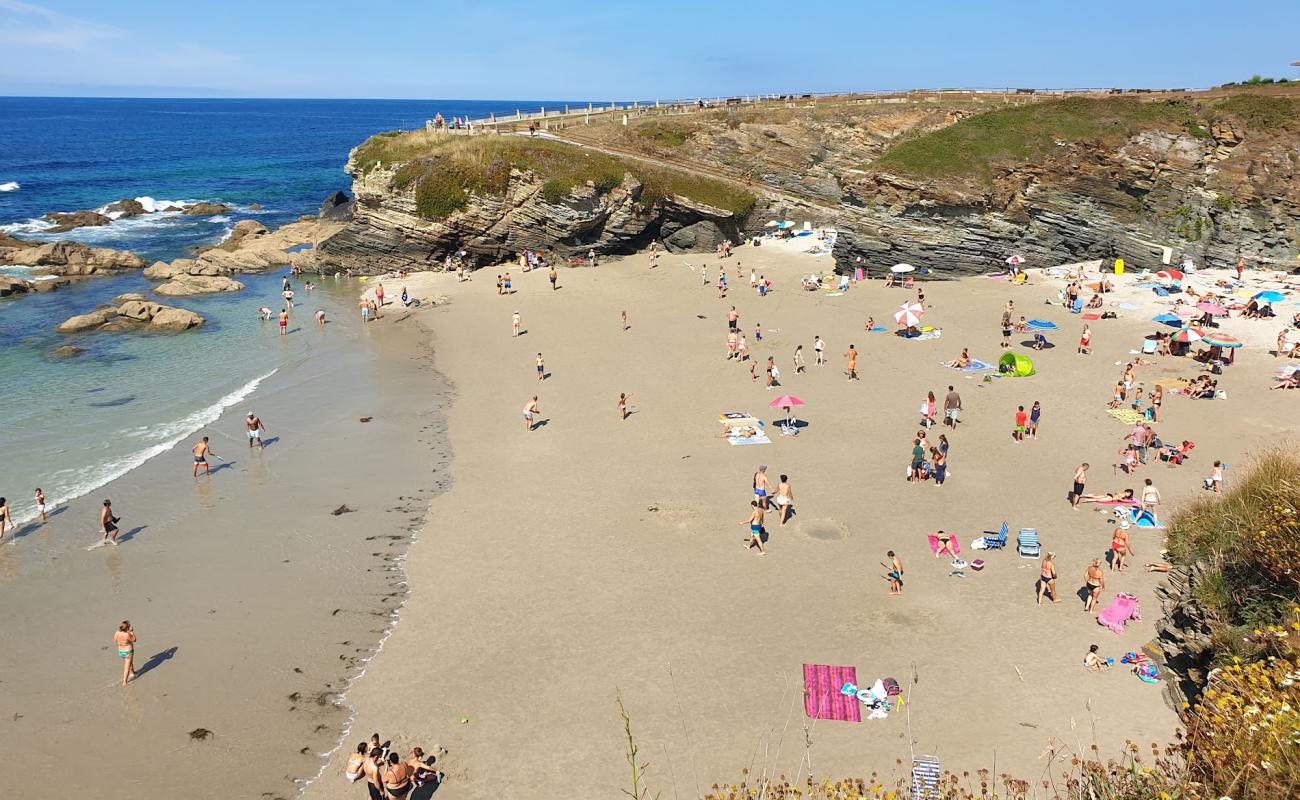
[{"x": 73, "y": 424}]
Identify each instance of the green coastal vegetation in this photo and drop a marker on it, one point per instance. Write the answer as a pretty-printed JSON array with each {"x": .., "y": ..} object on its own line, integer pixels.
[
  {"x": 445, "y": 171},
  {"x": 972, "y": 148}
]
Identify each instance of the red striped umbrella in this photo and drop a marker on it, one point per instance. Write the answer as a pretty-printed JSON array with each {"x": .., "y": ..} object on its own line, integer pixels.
[
  {"x": 1186, "y": 335},
  {"x": 1221, "y": 340},
  {"x": 1169, "y": 275}
]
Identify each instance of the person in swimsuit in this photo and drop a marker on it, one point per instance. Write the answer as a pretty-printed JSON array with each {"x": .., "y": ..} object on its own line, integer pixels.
[
  {"x": 254, "y": 427},
  {"x": 6, "y": 519},
  {"x": 755, "y": 528},
  {"x": 514, "y": 324},
  {"x": 1035, "y": 411},
  {"x": 552, "y": 276},
  {"x": 622, "y": 405},
  {"x": 624, "y": 316},
  {"x": 1150, "y": 497},
  {"x": 1119, "y": 546},
  {"x": 355, "y": 769},
  {"x": 374, "y": 782},
  {"x": 1094, "y": 662},
  {"x": 945, "y": 545},
  {"x": 320, "y": 316},
  {"x": 40, "y": 505},
  {"x": 1094, "y": 581},
  {"x": 939, "y": 465},
  {"x": 284, "y": 322},
  {"x": 530, "y": 408},
  {"x": 852, "y": 356},
  {"x": 761, "y": 486},
  {"x": 819, "y": 347},
  {"x": 1085, "y": 341},
  {"x": 895, "y": 575},
  {"x": 125, "y": 641},
  {"x": 784, "y": 498},
  {"x": 108, "y": 522},
  {"x": 397, "y": 777},
  {"x": 419, "y": 764},
  {"x": 379, "y": 294},
  {"x": 1157, "y": 398},
  {"x": 1047, "y": 579},
  {"x": 201, "y": 451},
  {"x": 1080, "y": 478},
  {"x": 541, "y": 368},
  {"x": 799, "y": 366}
]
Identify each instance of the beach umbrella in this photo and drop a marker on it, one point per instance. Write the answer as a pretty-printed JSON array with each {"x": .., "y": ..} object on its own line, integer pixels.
[
  {"x": 1013, "y": 260},
  {"x": 786, "y": 401},
  {"x": 1221, "y": 340},
  {"x": 1270, "y": 297},
  {"x": 907, "y": 317},
  {"x": 1041, "y": 324},
  {"x": 1187, "y": 336},
  {"x": 1186, "y": 311},
  {"x": 1213, "y": 309},
  {"x": 902, "y": 268},
  {"x": 1169, "y": 319},
  {"x": 771, "y": 223},
  {"x": 1169, "y": 275}
]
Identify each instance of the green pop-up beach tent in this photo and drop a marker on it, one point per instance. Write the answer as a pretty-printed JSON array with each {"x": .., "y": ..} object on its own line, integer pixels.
[{"x": 1016, "y": 365}]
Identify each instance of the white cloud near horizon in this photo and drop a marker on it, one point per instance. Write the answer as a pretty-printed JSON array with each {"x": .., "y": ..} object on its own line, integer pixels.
[{"x": 25, "y": 24}]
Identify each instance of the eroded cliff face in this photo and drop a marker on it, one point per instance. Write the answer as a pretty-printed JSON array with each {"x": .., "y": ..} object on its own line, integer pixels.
[
  {"x": 1210, "y": 198},
  {"x": 388, "y": 233}
]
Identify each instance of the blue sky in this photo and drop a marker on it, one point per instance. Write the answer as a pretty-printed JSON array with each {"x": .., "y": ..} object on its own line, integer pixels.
[{"x": 490, "y": 49}]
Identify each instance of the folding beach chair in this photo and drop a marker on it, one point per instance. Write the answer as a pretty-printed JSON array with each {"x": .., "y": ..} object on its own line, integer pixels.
[
  {"x": 997, "y": 541},
  {"x": 925, "y": 778},
  {"x": 1027, "y": 543}
]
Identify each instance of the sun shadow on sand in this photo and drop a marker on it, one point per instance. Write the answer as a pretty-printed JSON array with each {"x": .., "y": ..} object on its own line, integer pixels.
[
  {"x": 271, "y": 441},
  {"x": 32, "y": 527},
  {"x": 221, "y": 466},
  {"x": 156, "y": 660},
  {"x": 131, "y": 534}
]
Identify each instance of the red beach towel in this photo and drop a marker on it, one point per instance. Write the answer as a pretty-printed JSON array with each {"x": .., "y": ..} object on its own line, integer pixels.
[
  {"x": 1092, "y": 316},
  {"x": 821, "y": 693}
]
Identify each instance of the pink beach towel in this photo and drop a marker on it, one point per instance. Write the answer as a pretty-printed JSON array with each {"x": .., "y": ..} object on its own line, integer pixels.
[
  {"x": 1122, "y": 609},
  {"x": 821, "y": 693},
  {"x": 934, "y": 545}
]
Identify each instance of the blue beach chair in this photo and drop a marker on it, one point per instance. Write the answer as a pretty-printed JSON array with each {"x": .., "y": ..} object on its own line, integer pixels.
[
  {"x": 1027, "y": 543},
  {"x": 997, "y": 541}
]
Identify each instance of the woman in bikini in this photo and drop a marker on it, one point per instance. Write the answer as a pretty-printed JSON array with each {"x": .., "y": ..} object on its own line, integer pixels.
[
  {"x": 1047, "y": 579},
  {"x": 356, "y": 763},
  {"x": 6, "y": 521},
  {"x": 1157, "y": 397},
  {"x": 945, "y": 545},
  {"x": 784, "y": 498},
  {"x": 125, "y": 641},
  {"x": 397, "y": 777},
  {"x": 1095, "y": 582},
  {"x": 1119, "y": 546}
]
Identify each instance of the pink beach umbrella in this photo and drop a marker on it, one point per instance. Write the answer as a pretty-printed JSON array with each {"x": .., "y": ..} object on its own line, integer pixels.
[
  {"x": 1186, "y": 336},
  {"x": 1213, "y": 309},
  {"x": 1221, "y": 340},
  {"x": 786, "y": 401},
  {"x": 1186, "y": 311},
  {"x": 909, "y": 314},
  {"x": 1017, "y": 259}
]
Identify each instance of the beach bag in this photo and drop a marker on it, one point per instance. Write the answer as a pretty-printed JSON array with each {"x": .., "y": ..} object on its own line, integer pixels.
[{"x": 892, "y": 689}]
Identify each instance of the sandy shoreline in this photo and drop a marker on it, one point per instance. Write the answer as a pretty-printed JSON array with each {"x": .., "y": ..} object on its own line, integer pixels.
[
  {"x": 255, "y": 606},
  {"x": 593, "y": 556}
]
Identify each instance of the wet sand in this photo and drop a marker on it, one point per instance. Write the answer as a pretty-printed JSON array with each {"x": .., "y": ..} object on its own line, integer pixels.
[
  {"x": 254, "y": 605},
  {"x": 592, "y": 556}
]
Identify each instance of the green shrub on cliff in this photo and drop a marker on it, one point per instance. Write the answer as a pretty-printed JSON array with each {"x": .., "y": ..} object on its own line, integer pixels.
[
  {"x": 1259, "y": 111},
  {"x": 445, "y": 170}
]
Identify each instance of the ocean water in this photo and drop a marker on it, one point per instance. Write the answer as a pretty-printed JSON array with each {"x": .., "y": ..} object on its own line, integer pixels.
[{"x": 72, "y": 424}]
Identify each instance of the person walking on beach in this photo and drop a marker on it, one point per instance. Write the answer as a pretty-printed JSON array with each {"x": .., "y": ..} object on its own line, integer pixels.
[
  {"x": 284, "y": 322},
  {"x": 1047, "y": 579},
  {"x": 379, "y": 295},
  {"x": 253, "y": 425},
  {"x": 1150, "y": 497},
  {"x": 125, "y": 641},
  {"x": 1035, "y": 413},
  {"x": 553, "y": 276},
  {"x": 762, "y": 486},
  {"x": 1094, "y": 582},
  {"x": 622, "y": 405},
  {"x": 40, "y": 506},
  {"x": 541, "y": 367},
  {"x": 755, "y": 527},
  {"x": 1080, "y": 478},
  {"x": 514, "y": 325},
  {"x": 852, "y": 356},
  {"x": 771, "y": 371},
  {"x": 741, "y": 350},
  {"x": 1022, "y": 422},
  {"x": 108, "y": 523},
  {"x": 819, "y": 347},
  {"x": 530, "y": 409},
  {"x": 928, "y": 410},
  {"x": 799, "y": 366},
  {"x": 1085, "y": 341},
  {"x": 784, "y": 498},
  {"x": 625, "y": 325},
  {"x": 1212, "y": 483},
  {"x": 733, "y": 320},
  {"x": 1120, "y": 548},
  {"x": 895, "y": 568},
  {"x": 201, "y": 452},
  {"x": 951, "y": 408},
  {"x": 6, "y": 519}
]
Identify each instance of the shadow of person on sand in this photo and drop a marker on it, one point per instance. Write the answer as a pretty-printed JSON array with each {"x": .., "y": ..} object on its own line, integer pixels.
[
  {"x": 29, "y": 528},
  {"x": 541, "y": 423},
  {"x": 221, "y": 466},
  {"x": 131, "y": 534},
  {"x": 268, "y": 442},
  {"x": 426, "y": 791},
  {"x": 156, "y": 660}
]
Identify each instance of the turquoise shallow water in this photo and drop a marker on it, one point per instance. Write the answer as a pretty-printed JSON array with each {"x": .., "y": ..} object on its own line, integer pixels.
[{"x": 70, "y": 425}]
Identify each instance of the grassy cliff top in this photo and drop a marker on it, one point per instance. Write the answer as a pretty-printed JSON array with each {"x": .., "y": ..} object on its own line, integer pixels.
[
  {"x": 1028, "y": 134},
  {"x": 447, "y": 169}
]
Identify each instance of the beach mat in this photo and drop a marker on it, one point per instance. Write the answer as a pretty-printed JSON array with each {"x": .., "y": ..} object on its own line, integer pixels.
[
  {"x": 821, "y": 693},
  {"x": 975, "y": 366},
  {"x": 758, "y": 438},
  {"x": 1126, "y": 415}
]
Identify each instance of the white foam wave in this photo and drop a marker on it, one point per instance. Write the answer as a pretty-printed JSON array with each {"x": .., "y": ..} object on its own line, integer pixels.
[
  {"x": 173, "y": 432},
  {"x": 151, "y": 205},
  {"x": 10, "y": 186},
  {"x": 31, "y": 226},
  {"x": 219, "y": 218}
]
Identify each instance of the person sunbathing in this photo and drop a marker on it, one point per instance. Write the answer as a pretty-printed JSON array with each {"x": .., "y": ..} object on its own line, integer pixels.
[
  {"x": 1094, "y": 302},
  {"x": 960, "y": 362},
  {"x": 945, "y": 545},
  {"x": 1125, "y": 496},
  {"x": 1291, "y": 381}
]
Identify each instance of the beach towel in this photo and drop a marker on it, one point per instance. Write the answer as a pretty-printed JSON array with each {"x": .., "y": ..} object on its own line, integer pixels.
[
  {"x": 1125, "y": 415},
  {"x": 975, "y": 365},
  {"x": 758, "y": 438},
  {"x": 1092, "y": 317},
  {"x": 822, "y": 698},
  {"x": 1122, "y": 609},
  {"x": 934, "y": 544},
  {"x": 926, "y": 335}
]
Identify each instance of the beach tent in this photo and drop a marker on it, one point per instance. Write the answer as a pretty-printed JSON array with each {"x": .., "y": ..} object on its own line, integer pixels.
[{"x": 1016, "y": 364}]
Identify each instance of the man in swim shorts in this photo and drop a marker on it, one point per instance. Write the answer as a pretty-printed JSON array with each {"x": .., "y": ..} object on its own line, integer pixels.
[
  {"x": 108, "y": 523},
  {"x": 201, "y": 451},
  {"x": 530, "y": 408},
  {"x": 761, "y": 486},
  {"x": 895, "y": 574},
  {"x": 254, "y": 427},
  {"x": 1080, "y": 478},
  {"x": 755, "y": 527}
]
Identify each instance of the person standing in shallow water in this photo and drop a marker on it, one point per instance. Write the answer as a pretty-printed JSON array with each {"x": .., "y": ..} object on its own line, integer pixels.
[{"x": 125, "y": 641}]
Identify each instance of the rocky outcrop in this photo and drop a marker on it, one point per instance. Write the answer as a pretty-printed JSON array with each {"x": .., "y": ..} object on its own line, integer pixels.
[
  {"x": 387, "y": 232},
  {"x": 68, "y": 258},
  {"x": 184, "y": 284},
  {"x": 206, "y": 210},
  {"x": 122, "y": 209},
  {"x": 10, "y": 286},
  {"x": 337, "y": 206},
  {"x": 133, "y": 313},
  {"x": 249, "y": 248},
  {"x": 242, "y": 235},
  {"x": 1184, "y": 635},
  {"x": 66, "y": 221}
]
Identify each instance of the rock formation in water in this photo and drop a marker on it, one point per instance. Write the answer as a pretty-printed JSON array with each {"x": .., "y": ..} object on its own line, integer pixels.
[
  {"x": 132, "y": 312},
  {"x": 66, "y": 258},
  {"x": 182, "y": 285},
  {"x": 250, "y": 247}
]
